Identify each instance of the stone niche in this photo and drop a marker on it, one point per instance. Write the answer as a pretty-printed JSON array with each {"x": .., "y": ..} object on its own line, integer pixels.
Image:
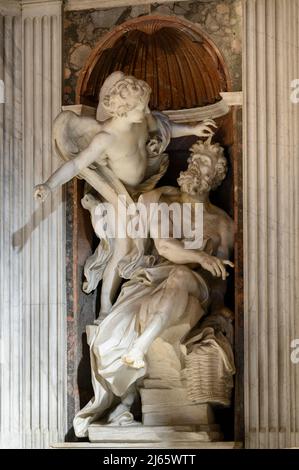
[{"x": 186, "y": 71}]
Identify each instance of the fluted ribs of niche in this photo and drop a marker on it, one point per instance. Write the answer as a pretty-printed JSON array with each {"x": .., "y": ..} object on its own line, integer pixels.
[{"x": 182, "y": 66}]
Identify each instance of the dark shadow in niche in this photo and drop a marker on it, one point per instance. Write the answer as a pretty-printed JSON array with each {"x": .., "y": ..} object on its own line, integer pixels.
[
  {"x": 84, "y": 374},
  {"x": 84, "y": 386},
  {"x": 88, "y": 311}
]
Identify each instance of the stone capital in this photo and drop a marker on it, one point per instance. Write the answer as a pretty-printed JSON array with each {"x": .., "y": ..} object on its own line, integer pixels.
[
  {"x": 38, "y": 8},
  {"x": 10, "y": 7}
]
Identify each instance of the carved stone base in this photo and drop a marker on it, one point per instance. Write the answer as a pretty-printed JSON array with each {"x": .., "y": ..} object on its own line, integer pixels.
[
  {"x": 167, "y": 436},
  {"x": 172, "y": 408},
  {"x": 144, "y": 445}
]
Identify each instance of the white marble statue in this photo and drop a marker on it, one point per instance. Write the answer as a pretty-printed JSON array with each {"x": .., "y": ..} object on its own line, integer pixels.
[
  {"x": 120, "y": 152},
  {"x": 179, "y": 288}
]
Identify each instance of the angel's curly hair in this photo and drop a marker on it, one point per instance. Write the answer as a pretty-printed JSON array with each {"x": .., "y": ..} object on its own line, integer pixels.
[
  {"x": 192, "y": 180},
  {"x": 125, "y": 95}
]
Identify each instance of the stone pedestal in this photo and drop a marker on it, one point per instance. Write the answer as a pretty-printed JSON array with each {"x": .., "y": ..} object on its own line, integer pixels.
[
  {"x": 162, "y": 436},
  {"x": 169, "y": 420},
  {"x": 172, "y": 408}
]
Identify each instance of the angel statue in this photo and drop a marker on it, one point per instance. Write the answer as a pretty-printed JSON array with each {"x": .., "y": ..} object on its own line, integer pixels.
[{"x": 121, "y": 152}]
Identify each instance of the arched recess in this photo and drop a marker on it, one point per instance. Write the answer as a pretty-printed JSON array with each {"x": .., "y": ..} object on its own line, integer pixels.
[
  {"x": 186, "y": 72},
  {"x": 182, "y": 65}
]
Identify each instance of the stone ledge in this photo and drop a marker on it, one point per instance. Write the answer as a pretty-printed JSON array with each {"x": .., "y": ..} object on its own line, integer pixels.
[
  {"x": 126, "y": 445},
  {"x": 153, "y": 435}
]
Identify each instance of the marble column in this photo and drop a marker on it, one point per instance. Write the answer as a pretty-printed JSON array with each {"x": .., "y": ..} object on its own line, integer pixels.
[
  {"x": 271, "y": 222},
  {"x": 33, "y": 379}
]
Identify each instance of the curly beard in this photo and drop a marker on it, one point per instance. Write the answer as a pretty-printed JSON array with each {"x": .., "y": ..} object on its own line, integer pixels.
[{"x": 193, "y": 184}]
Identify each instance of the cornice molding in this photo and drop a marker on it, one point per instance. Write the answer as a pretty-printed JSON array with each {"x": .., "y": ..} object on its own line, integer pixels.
[
  {"x": 98, "y": 4},
  {"x": 14, "y": 6},
  {"x": 28, "y": 2},
  {"x": 232, "y": 98},
  {"x": 213, "y": 111},
  {"x": 201, "y": 113}
]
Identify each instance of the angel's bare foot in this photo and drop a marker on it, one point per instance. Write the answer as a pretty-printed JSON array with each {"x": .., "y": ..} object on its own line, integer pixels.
[
  {"x": 134, "y": 358},
  {"x": 120, "y": 416}
]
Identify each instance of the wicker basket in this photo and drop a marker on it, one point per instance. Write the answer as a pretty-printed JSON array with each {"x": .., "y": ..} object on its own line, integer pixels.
[{"x": 209, "y": 370}]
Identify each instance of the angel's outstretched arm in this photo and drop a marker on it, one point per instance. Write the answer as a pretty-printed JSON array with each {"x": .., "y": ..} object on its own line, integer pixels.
[
  {"x": 95, "y": 150},
  {"x": 151, "y": 122},
  {"x": 202, "y": 129}
]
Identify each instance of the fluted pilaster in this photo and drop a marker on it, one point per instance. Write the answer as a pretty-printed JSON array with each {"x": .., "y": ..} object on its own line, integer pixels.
[
  {"x": 271, "y": 222},
  {"x": 33, "y": 380},
  {"x": 44, "y": 268},
  {"x": 11, "y": 200}
]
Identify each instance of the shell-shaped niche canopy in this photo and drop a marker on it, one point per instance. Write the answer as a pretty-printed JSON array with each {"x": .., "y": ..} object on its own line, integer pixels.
[{"x": 181, "y": 64}]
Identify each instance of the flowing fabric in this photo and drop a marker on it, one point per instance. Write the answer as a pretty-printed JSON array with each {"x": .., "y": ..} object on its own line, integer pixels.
[{"x": 111, "y": 339}]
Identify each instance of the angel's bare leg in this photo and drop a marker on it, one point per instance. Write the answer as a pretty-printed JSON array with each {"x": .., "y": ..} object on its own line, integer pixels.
[
  {"x": 111, "y": 279},
  {"x": 122, "y": 411},
  {"x": 135, "y": 357},
  {"x": 168, "y": 307}
]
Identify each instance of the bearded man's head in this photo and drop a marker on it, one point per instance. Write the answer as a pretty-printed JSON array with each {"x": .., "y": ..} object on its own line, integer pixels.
[{"x": 206, "y": 170}]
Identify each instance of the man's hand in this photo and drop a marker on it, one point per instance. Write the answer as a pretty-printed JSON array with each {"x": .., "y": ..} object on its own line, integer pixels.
[
  {"x": 41, "y": 192},
  {"x": 204, "y": 129},
  {"x": 214, "y": 265}
]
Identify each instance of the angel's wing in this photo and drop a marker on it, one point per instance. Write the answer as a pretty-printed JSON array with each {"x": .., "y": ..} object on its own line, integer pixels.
[{"x": 71, "y": 135}]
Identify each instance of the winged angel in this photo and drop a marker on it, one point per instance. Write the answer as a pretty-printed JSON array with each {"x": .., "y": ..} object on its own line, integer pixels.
[{"x": 121, "y": 152}]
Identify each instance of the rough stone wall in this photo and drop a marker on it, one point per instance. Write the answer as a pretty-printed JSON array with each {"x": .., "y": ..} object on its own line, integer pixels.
[{"x": 220, "y": 19}]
